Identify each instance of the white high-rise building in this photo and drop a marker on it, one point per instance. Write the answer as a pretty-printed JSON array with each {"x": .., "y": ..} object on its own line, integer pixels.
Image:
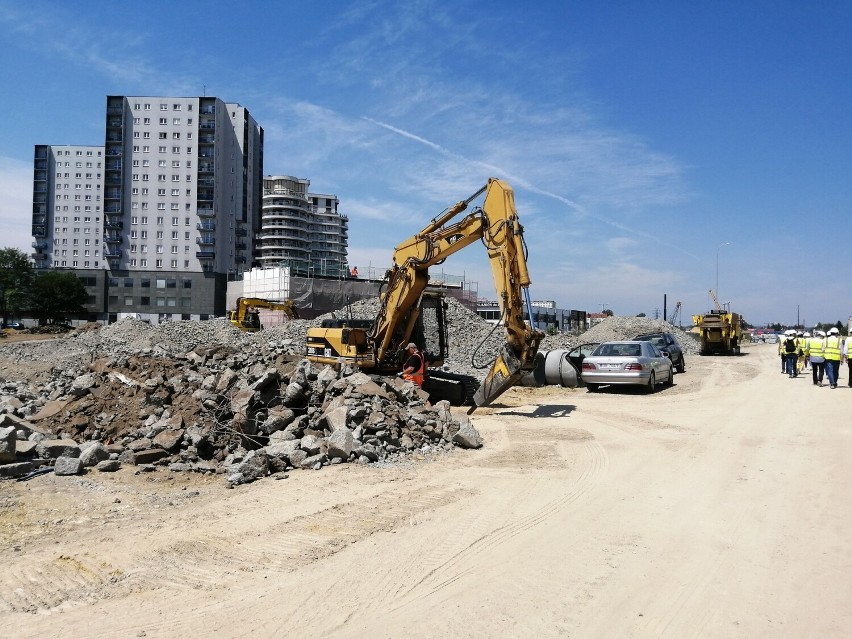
[
  {"x": 180, "y": 203},
  {"x": 67, "y": 207},
  {"x": 300, "y": 230}
]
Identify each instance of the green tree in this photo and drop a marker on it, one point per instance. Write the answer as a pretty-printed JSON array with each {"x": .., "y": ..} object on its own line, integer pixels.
[
  {"x": 16, "y": 274},
  {"x": 640, "y": 315},
  {"x": 55, "y": 295},
  {"x": 608, "y": 312}
]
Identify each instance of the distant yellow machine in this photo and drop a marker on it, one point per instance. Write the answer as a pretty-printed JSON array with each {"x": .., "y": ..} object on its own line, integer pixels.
[
  {"x": 720, "y": 331},
  {"x": 246, "y": 316}
]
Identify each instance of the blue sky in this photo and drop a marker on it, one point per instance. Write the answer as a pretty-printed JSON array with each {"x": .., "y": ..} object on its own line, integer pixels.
[{"x": 639, "y": 137}]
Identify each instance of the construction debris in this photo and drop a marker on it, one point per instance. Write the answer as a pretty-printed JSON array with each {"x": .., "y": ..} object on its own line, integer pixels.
[{"x": 207, "y": 397}]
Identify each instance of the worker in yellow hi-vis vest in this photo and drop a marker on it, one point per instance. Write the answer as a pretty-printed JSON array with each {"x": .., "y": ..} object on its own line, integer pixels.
[
  {"x": 815, "y": 349},
  {"x": 832, "y": 356}
]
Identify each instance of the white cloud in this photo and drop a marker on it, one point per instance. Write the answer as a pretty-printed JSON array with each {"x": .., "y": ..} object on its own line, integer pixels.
[{"x": 16, "y": 187}]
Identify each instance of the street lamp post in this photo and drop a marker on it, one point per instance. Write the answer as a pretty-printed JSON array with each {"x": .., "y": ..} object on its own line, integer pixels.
[{"x": 717, "y": 267}]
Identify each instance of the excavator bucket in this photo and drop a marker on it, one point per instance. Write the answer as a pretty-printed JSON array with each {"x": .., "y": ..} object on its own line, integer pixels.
[{"x": 505, "y": 372}]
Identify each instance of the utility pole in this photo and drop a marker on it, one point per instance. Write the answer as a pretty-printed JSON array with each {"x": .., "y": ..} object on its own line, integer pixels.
[{"x": 603, "y": 306}]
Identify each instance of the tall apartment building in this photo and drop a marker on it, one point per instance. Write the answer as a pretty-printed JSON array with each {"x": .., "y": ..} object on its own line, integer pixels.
[
  {"x": 67, "y": 222},
  {"x": 301, "y": 230},
  {"x": 181, "y": 198}
]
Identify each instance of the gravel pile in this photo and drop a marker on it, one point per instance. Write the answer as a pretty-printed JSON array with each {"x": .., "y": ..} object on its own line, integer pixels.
[
  {"x": 473, "y": 342},
  {"x": 620, "y": 327}
]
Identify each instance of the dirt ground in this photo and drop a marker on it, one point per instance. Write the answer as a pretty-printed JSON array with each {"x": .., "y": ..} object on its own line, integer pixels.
[{"x": 720, "y": 507}]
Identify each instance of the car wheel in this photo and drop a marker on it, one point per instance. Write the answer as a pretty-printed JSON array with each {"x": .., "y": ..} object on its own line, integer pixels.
[
  {"x": 652, "y": 384},
  {"x": 592, "y": 388},
  {"x": 681, "y": 367},
  {"x": 670, "y": 380}
]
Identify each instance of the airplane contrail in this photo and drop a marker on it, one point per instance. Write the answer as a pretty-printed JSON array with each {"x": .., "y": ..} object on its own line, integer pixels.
[{"x": 517, "y": 180}]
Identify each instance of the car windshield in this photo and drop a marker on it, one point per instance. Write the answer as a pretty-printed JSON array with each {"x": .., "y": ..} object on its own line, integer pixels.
[{"x": 619, "y": 350}]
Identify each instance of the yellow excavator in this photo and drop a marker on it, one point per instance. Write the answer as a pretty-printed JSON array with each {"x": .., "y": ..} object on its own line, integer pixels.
[
  {"x": 246, "y": 316},
  {"x": 410, "y": 313}
]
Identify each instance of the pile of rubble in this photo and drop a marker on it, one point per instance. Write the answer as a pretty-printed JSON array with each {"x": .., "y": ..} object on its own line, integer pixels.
[
  {"x": 619, "y": 327},
  {"x": 207, "y": 397},
  {"x": 217, "y": 409}
]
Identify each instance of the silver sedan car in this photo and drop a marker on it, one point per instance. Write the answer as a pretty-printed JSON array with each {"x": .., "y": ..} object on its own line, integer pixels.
[{"x": 628, "y": 362}]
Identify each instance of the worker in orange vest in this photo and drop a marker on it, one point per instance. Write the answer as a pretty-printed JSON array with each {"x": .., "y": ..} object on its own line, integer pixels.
[{"x": 414, "y": 369}]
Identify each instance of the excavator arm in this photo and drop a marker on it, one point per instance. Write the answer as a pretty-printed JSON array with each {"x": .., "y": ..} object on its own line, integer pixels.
[{"x": 496, "y": 225}]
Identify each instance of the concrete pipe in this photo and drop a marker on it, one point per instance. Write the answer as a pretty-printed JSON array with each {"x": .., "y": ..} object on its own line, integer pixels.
[{"x": 554, "y": 368}]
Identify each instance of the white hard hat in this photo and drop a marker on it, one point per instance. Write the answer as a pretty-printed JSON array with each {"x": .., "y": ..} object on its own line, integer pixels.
[
  {"x": 833, "y": 331},
  {"x": 807, "y": 334},
  {"x": 789, "y": 331},
  {"x": 820, "y": 333}
]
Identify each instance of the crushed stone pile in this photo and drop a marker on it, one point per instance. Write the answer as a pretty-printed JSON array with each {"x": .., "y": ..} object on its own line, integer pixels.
[
  {"x": 207, "y": 397},
  {"x": 217, "y": 409},
  {"x": 618, "y": 327}
]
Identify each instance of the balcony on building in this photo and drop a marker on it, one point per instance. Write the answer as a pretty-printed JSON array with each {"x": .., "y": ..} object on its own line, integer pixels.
[
  {"x": 112, "y": 251},
  {"x": 207, "y": 110},
  {"x": 114, "y": 123},
  {"x": 205, "y": 255},
  {"x": 205, "y": 194},
  {"x": 111, "y": 223},
  {"x": 206, "y": 211},
  {"x": 40, "y": 176},
  {"x": 207, "y": 167},
  {"x": 114, "y": 151},
  {"x": 113, "y": 238},
  {"x": 40, "y": 245},
  {"x": 206, "y": 182},
  {"x": 113, "y": 209},
  {"x": 206, "y": 226},
  {"x": 209, "y": 125},
  {"x": 39, "y": 231},
  {"x": 206, "y": 240}
]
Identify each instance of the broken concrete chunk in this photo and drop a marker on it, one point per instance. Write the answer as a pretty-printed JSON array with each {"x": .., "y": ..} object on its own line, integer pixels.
[
  {"x": 8, "y": 444},
  {"x": 169, "y": 439},
  {"x": 68, "y": 466},
  {"x": 92, "y": 453},
  {"x": 18, "y": 469},
  {"x": 467, "y": 436},
  {"x": 53, "y": 448},
  {"x": 340, "y": 443}
]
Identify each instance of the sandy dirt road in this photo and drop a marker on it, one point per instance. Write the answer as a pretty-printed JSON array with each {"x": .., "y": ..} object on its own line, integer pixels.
[{"x": 720, "y": 507}]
